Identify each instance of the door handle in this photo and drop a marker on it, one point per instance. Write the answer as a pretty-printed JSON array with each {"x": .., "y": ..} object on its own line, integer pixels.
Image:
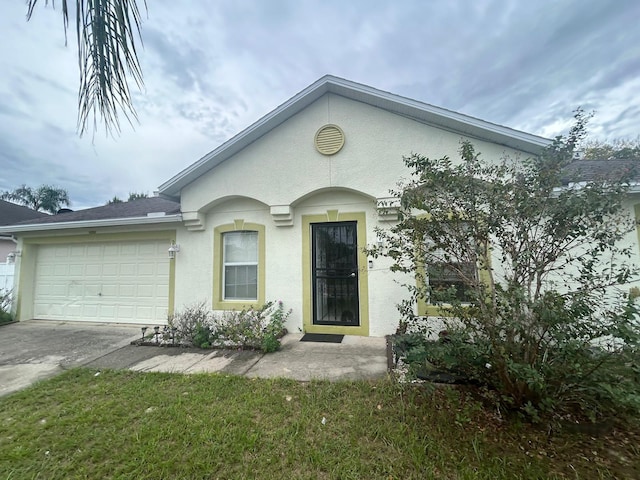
[{"x": 353, "y": 274}]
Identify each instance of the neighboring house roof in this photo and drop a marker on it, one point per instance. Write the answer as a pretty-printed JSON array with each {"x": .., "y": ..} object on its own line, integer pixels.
[
  {"x": 11, "y": 213},
  {"x": 144, "y": 210},
  {"x": 406, "y": 107},
  {"x": 592, "y": 170}
]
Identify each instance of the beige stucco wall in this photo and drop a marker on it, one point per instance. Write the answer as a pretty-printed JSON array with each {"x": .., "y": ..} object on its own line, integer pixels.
[
  {"x": 283, "y": 166},
  {"x": 283, "y": 169}
]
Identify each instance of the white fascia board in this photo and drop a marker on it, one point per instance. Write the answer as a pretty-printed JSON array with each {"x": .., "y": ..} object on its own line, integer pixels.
[
  {"x": 108, "y": 222},
  {"x": 414, "y": 109}
]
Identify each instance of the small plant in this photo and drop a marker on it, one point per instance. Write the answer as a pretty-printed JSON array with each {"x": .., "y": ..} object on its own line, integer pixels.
[
  {"x": 191, "y": 322},
  {"x": 248, "y": 328},
  {"x": 202, "y": 336},
  {"x": 252, "y": 328}
]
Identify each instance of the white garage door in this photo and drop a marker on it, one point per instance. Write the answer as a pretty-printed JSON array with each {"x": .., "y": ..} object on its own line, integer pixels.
[{"x": 124, "y": 282}]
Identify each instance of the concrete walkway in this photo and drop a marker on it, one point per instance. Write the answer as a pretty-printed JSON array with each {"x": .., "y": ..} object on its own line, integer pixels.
[
  {"x": 35, "y": 350},
  {"x": 354, "y": 358}
]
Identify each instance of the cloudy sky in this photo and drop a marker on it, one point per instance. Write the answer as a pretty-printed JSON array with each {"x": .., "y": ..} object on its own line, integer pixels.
[{"x": 211, "y": 68}]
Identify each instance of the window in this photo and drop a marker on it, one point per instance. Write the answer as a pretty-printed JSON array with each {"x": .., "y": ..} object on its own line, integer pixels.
[
  {"x": 240, "y": 265},
  {"x": 447, "y": 281},
  {"x": 449, "y": 275}
]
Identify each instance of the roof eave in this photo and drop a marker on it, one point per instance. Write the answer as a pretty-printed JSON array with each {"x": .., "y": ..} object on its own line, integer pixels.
[{"x": 107, "y": 222}]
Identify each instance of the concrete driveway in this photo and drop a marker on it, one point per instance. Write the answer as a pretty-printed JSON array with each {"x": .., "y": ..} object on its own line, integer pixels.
[{"x": 35, "y": 350}]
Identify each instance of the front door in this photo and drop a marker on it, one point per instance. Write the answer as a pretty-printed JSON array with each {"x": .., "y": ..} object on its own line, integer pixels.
[{"x": 335, "y": 273}]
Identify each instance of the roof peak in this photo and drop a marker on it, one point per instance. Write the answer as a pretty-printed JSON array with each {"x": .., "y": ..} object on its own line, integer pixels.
[{"x": 419, "y": 111}]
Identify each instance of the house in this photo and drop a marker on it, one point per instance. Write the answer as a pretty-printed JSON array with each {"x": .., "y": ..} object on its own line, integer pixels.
[
  {"x": 281, "y": 211},
  {"x": 11, "y": 213}
]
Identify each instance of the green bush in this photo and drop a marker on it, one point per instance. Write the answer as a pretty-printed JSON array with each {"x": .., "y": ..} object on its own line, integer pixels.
[
  {"x": 248, "y": 328},
  {"x": 191, "y": 323},
  {"x": 547, "y": 320}
]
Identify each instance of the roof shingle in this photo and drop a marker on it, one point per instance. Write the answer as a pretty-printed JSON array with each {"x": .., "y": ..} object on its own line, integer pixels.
[
  {"x": 135, "y": 208},
  {"x": 11, "y": 213}
]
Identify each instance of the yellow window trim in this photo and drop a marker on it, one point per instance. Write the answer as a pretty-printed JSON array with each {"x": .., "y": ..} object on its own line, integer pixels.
[
  {"x": 363, "y": 277},
  {"x": 426, "y": 309},
  {"x": 218, "y": 300}
]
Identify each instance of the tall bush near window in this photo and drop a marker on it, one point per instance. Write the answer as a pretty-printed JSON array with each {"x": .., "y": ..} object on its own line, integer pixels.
[{"x": 550, "y": 328}]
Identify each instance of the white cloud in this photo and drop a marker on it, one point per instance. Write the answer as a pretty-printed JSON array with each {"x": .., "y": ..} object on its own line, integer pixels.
[{"x": 213, "y": 68}]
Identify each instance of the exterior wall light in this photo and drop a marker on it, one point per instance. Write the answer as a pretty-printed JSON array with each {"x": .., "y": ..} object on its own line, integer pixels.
[{"x": 173, "y": 249}]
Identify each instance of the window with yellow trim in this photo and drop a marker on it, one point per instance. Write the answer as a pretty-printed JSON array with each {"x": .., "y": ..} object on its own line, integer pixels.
[
  {"x": 448, "y": 273},
  {"x": 240, "y": 265},
  {"x": 449, "y": 281}
]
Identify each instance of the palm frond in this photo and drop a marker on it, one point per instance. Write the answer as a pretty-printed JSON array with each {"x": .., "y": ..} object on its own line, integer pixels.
[{"x": 106, "y": 32}]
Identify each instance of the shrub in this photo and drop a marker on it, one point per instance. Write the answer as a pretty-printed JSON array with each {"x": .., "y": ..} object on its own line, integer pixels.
[
  {"x": 248, "y": 328},
  {"x": 546, "y": 321},
  {"x": 191, "y": 323}
]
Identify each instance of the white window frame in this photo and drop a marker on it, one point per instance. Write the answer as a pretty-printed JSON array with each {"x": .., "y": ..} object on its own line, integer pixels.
[{"x": 226, "y": 264}]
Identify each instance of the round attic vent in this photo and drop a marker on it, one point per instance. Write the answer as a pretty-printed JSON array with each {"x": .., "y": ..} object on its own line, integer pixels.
[{"x": 329, "y": 139}]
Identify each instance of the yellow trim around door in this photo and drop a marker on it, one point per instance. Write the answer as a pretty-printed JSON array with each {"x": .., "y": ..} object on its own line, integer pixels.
[{"x": 363, "y": 277}]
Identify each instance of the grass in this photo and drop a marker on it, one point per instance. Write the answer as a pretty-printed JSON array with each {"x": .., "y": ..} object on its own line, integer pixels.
[{"x": 121, "y": 424}]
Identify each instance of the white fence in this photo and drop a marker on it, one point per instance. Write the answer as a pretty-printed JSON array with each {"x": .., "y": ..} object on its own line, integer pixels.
[{"x": 6, "y": 276}]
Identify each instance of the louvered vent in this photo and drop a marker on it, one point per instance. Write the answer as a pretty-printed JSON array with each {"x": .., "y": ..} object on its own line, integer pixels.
[{"x": 329, "y": 139}]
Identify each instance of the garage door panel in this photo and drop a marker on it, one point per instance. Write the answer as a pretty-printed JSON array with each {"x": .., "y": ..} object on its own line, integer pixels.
[
  {"x": 148, "y": 291},
  {"x": 110, "y": 269},
  {"x": 76, "y": 270},
  {"x": 109, "y": 290},
  {"x": 61, "y": 251},
  {"x": 145, "y": 312},
  {"x": 127, "y": 269},
  {"x": 61, "y": 270},
  {"x": 108, "y": 282},
  {"x": 75, "y": 290},
  {"x": 88, "y": 310},
  {"x": 146, "y": 269}
]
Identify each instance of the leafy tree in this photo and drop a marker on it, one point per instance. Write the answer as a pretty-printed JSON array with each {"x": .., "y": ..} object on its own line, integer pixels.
[
  {"x": 106, "y": 34},
  {"x": 132, "y": 196},
  {"x": 619, "y": 149},
  {"x": 137, "y": 196},
  {"x": 545, "y": 322},
  {"x": 44, "y": 198}
]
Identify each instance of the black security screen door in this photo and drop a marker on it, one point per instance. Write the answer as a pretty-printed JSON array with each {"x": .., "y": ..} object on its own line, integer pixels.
[{"x": 335, "y": 274}]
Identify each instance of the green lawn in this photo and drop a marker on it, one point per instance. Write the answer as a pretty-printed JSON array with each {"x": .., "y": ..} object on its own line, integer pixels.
[{"x": 160, "y": 426}]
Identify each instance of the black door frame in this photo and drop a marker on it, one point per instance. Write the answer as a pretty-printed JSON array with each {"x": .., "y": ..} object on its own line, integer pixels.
[{"x": 345, "y": 276}]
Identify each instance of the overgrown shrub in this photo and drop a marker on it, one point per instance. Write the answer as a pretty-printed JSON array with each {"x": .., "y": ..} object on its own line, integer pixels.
[
  {"x": 248, "y": 328},
  {"x": 547, "y": 322},
  {"x": 190, "y": 323}
]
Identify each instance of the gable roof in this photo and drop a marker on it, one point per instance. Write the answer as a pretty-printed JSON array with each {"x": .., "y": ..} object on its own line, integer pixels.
[
  {"x": 12, "y": 213},
  {"x": 419, "y": 111},
  {"x": 135, "y": 212}
]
